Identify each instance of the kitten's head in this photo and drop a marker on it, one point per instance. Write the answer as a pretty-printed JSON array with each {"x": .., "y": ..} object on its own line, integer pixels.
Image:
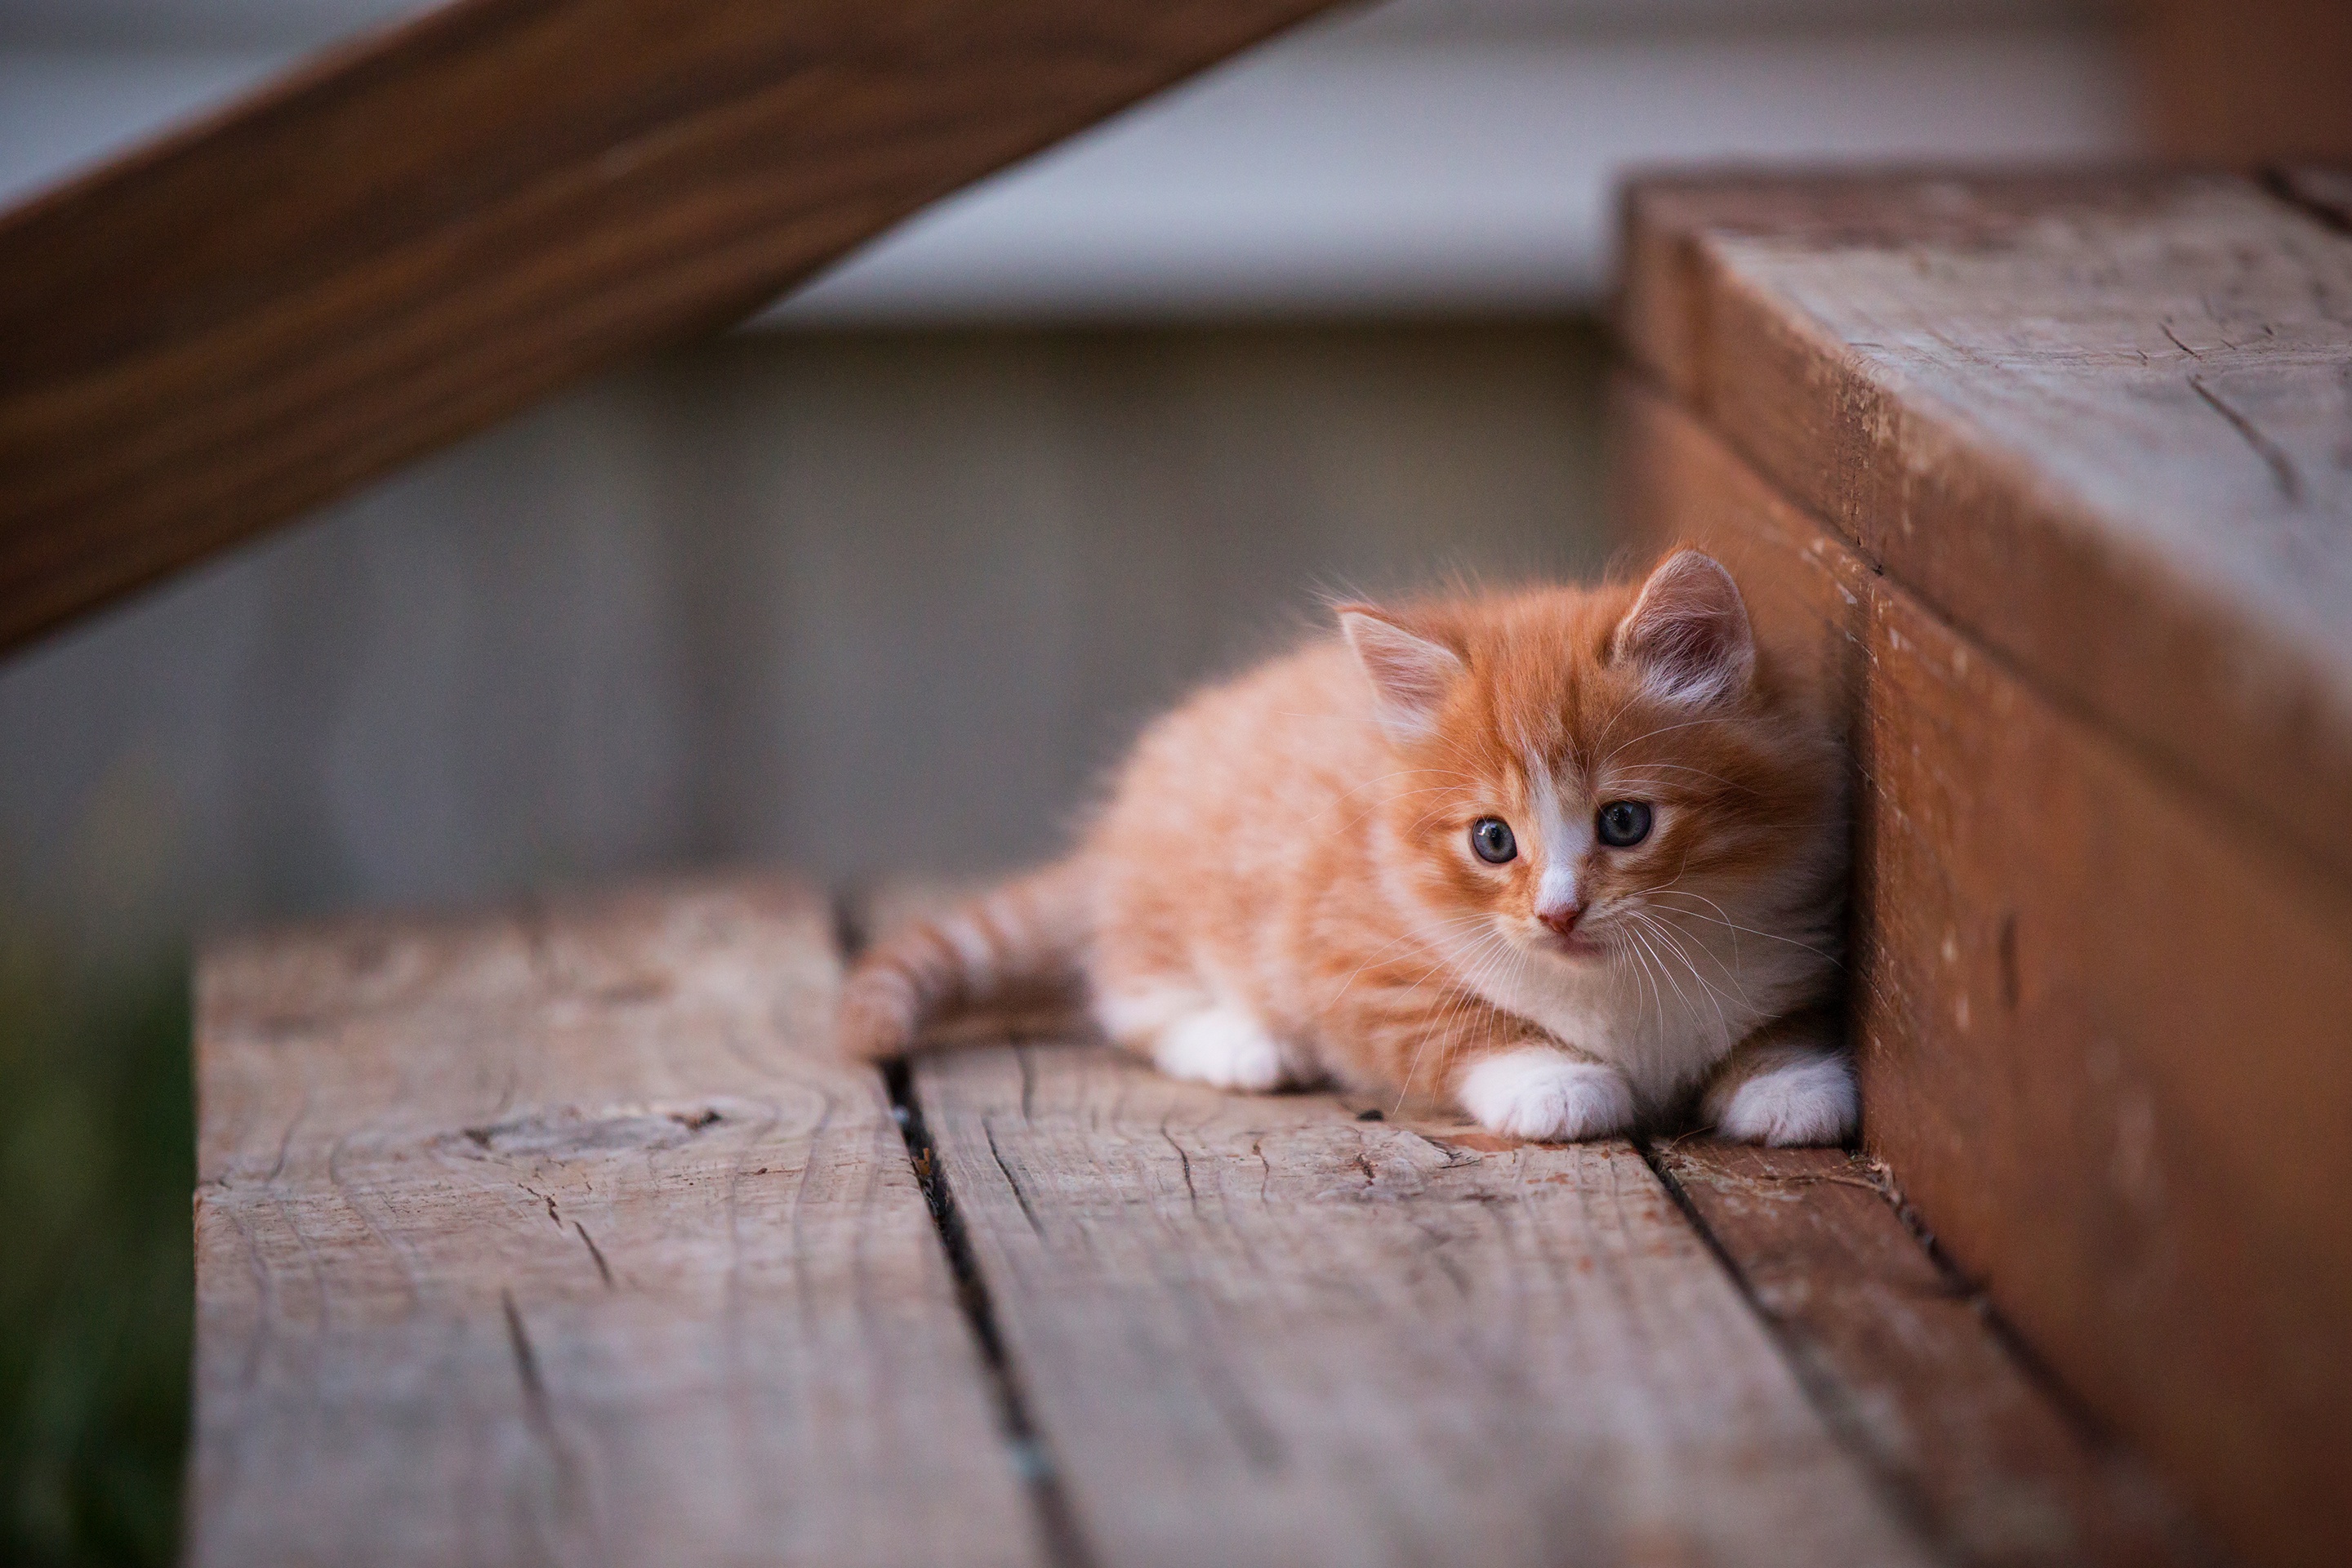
[{"x": 1577, "y": 767}]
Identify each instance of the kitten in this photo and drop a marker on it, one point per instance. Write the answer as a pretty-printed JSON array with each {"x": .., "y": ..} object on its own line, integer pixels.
[{"x": 1566, "y": 860}]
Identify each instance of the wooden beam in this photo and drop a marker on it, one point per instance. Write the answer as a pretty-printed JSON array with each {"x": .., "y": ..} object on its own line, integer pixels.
[
  {"x": 413, "y": 238},
  {"x": 560, "y": 1235}
]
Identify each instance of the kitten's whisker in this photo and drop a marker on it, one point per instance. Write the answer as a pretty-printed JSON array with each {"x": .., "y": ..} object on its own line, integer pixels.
[
  {"x": 1401, "y": 795},
  {"x": 1680, "y": 995},
  {"x": 1715, "y": 996},
  {"x": 1681, "y": 768},
  {"x": 1474, "y": 993},
  {"x": 1724, "y": 1028},
  {"x": 1415, "y": 826},
  {"x": 1719, "y": 909},
  {"x": 1673, "y": 941},
  {"x": 1653, "y": 734},
  {"x": 1639, "y": 772},
  {"x": 1752, "y": 931},
  {"x": 1444, "y": 924},
  {"x": 1679, "y": 938},
  {"x": 1404, "y": 774},
  {"x": 1341, "y": 995},
  {"x": 1405, "y": 1088},
  {"x": 1641, "y": 970},
  {"x": 1652, "y": 961},
  {"x": 1446, "y": 962}
]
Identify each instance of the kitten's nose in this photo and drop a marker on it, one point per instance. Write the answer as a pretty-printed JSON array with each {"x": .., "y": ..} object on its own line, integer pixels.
[{"x": 1562, "y": 919}]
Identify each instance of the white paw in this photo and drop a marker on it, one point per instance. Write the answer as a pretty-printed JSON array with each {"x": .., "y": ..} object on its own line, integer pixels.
[
  {"x": 1224, "y": 1047},
  {"x": 1548, "y": 1094},
  {"x": 1809, "y": 1100}
]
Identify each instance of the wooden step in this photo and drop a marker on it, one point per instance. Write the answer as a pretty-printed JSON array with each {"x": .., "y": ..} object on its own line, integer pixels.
[
  {"x": 2050, "y": 481},
  {"x": 555, "y": 1234}
]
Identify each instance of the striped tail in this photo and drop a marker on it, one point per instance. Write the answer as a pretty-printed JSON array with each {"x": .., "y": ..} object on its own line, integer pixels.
[{"x": 1013, "y": 955}]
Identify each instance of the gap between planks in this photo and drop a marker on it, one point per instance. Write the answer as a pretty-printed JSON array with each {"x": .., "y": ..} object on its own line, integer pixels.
[
  {"x": 1259, "y": 1329},
  {"x": 558, "y": 1234},
  {"x": 1033, "y": 1461},
  {"x": 469, "y": 1263},
  {"x": 1992, "y": 1456},
  {"x": 1968, "y": 1445}
]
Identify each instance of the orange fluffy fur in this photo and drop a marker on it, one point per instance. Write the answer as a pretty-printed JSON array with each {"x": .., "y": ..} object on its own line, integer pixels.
[{"x": 1283, "y": 888}]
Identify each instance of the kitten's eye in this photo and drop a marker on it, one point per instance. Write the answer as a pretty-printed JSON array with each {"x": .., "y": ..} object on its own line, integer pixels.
[
  {"x": 1623, "y": 822},
  {"x": 1491, "y": 837}
]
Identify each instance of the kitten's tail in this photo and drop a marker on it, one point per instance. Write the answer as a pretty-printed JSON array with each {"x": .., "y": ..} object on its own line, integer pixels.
[{"x": 1014, "y": 953}]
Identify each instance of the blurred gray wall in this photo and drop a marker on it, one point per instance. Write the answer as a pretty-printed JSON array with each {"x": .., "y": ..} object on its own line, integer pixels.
[
  {"x": 852, "y": 602},
  {"x": 858, "y": 595},
  {"x": 1422, "y": 157}
]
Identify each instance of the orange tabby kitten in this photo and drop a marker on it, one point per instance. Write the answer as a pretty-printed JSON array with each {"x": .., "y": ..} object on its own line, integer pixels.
[{"x": 1563, "y": 858}]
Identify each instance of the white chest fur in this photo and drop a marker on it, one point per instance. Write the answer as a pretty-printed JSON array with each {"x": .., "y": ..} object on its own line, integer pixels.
[{"x": 1670, "y": 1001}]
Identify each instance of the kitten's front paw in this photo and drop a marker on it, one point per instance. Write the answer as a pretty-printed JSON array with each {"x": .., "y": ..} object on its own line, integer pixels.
[
  {"x": 1546, "y": 1094},
  {"x": 1805, "y": 1101},
  {"x": 1224, "y": 1047}
]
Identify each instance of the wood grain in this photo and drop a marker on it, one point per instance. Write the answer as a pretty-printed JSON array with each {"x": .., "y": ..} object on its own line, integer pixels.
[
  {"x": 1259, "y": 1329},
  {"x": 1901, "y": 1349},
  {"x": 2101, "y": 1017},
  {"x": 418, "y": 236},
  {"x": 2099, "y": 423},
  {"x": 557, "y": 1236}
]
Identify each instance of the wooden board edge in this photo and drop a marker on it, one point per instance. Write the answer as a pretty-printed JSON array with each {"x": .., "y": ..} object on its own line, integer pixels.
[{"x": 1970, "y": 531}]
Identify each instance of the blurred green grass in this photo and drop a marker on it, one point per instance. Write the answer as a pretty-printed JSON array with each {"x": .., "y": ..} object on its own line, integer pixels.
[{"x": 97, "y": 1165}]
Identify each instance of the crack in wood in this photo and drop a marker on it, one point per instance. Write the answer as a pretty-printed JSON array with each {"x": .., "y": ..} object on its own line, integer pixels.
[
  {"x": 2284, "y": 472},
  {"x": 571, "y": 1497},
  {"x": 1027, "y": 1211},
  {"x": 1190, "y": 1193},
  {"x": 1032, "y": 1459},
  {"x": 603, "y": 1269},
  {"x": 553, "y": 1218},
  {"x": 534, "y": 1392},
  {"x": 370, "y": 1385}
]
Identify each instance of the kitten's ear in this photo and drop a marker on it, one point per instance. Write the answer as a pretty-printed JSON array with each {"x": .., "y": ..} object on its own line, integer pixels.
[
  {"x": 1410, "y": 674},
  {"x": 1688, "y": 632}
]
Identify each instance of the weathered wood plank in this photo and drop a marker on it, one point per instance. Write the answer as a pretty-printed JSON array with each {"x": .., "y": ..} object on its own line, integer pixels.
[
  {"x": 2101, "y": 1018},
  {"x": 559, "y": 1237},
  {"x": 1901, "y": 1351},
  {"x": 2097, "y": 422},
  {"x": 425, "y": 232},
  {"x": 1260, "y": 1329}
]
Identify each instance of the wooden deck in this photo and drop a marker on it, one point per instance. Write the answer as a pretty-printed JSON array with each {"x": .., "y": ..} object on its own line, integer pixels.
[{"x": 556, "y": 1235}]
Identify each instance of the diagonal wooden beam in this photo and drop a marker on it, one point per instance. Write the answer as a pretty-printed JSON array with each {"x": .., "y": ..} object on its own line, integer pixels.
[{"x": 408, "y": 241}]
